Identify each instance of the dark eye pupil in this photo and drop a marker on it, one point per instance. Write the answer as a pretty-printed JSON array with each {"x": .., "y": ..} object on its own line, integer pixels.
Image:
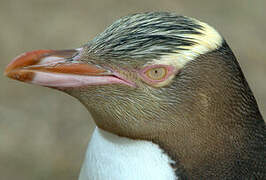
[{"x": 155, "y": 71}]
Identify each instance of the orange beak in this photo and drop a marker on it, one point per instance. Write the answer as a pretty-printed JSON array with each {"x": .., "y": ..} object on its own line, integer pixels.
[{"x": 59, "y": 69}]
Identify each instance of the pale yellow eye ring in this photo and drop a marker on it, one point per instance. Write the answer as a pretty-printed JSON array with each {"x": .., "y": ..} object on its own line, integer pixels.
[{"x": 157, "y": 73}]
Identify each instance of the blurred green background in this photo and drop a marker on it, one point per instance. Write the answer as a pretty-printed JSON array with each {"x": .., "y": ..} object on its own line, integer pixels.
[{"x": 43, "y": 132}]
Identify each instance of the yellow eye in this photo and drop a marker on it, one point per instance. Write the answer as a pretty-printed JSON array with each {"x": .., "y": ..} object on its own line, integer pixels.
[{"x": 156, "y": 73}]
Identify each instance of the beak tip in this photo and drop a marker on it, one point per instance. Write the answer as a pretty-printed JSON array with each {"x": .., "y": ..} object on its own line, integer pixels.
[
  {"x": 23, "y": 60},
  {"x": 14, "y": 71},
  {"x": 18, "y": 68},
  {"x": 19, "y": 75},
  {"x": 7, "y": 71}
]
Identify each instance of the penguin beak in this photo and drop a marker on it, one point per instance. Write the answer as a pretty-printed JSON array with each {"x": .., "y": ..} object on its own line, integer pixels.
[{"x": 60, "y": 69}]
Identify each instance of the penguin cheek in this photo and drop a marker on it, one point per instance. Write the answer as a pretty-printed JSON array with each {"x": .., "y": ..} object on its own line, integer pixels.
[{"x": 158, "y": 75}]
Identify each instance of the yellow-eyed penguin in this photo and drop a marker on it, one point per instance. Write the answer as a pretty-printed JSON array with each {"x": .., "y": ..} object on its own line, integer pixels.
[{"x": 167, "y": 95}]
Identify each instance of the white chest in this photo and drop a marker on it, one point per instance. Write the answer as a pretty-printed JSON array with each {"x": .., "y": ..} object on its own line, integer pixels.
[{"x": 110, "y": 157}]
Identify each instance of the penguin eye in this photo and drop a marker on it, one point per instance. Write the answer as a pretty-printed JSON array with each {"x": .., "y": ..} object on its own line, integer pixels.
[{"x": 156, "y": 73}]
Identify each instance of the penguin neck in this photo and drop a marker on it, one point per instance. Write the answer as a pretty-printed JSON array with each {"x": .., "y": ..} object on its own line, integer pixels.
[
  {"x": 230, "y": 150},
  {"x": 224, "y": 134}
]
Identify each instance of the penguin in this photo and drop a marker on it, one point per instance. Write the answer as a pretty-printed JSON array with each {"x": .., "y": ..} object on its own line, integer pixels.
[{"x": 168, "y": 97}]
